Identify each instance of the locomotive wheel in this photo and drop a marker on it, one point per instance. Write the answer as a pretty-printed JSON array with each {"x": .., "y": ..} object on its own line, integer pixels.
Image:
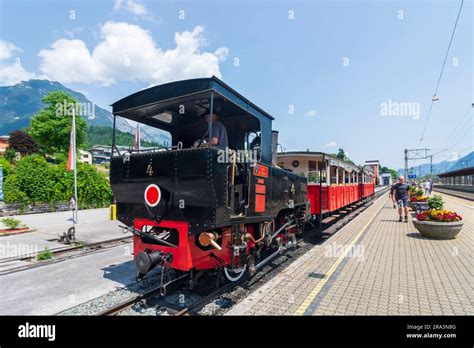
[{"x": 234, "y": 276}]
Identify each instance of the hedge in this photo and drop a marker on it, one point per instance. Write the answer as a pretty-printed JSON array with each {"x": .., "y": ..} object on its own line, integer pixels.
[{"x": 34, "y": 180}]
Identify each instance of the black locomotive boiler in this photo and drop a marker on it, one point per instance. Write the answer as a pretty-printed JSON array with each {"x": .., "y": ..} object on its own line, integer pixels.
[{"x": 198, "y": 208}]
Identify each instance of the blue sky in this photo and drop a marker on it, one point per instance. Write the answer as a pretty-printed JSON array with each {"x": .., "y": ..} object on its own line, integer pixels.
[{"x": 335, "y": 62}]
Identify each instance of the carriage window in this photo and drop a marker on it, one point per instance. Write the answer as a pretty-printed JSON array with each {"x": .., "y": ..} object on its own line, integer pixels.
[
  {"x": 317, "y": 171},
  {"x": 332, "y": 173}
]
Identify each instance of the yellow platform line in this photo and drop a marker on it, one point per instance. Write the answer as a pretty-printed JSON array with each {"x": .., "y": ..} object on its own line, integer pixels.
[
  {"x": 451, "y": 200},
  {"x": 309, "y": 299}
]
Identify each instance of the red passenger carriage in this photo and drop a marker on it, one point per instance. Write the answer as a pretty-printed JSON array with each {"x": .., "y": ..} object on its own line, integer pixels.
[{"x": 332, "y": 183}]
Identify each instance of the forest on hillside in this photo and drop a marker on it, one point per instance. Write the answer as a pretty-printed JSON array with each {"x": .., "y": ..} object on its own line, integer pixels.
[{"x": 102, "y": 135}]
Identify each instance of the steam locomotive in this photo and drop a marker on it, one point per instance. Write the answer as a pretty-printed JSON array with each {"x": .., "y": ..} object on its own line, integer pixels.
[{"x": 198, "y": 209}]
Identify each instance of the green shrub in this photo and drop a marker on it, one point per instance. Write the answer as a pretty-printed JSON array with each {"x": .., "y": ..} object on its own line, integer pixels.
[
  {"x": 12, "y": 191},
  {"x": 6, "y": 167},
  {"x": 11, "y": 223},
  {"x": 10, "y": 155},
  {"x": 36, "y": 180},
  {"x": 418, "y": 192},
  {"x": 46, "y": 254},
  {"x": 435, "y": 202},
  {"x": 93, "y": 188}
]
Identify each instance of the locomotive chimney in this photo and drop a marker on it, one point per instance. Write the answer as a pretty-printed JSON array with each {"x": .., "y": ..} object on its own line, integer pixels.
[{"x": 274, "y": 147}]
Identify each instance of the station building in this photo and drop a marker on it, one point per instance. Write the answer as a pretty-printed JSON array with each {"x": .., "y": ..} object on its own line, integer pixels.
[{"x": 459, "y": 179}]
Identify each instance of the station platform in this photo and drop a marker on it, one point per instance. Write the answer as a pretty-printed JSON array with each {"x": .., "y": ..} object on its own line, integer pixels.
[{"x": 376, "y": 265}]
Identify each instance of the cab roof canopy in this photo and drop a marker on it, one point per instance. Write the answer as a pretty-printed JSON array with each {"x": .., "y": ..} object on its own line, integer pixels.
[{"x": 178, "y": 108}]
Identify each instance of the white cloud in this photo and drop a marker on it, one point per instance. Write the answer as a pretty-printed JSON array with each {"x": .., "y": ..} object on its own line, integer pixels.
[
  {"x": 7, "y": 49},
  {"x": 14, "y": 73},
  {"x": 73, "y": 32},
  {"x": 70, "y": 61},
  {"x": 331, "y": 144},
  {"x": 311, "y": 113},
  {"x": 11, "y": 72},
  {"x": 134, "y": 7},
  {"x": 222, "y": 53},
  {"x": 127, "y": 52}
]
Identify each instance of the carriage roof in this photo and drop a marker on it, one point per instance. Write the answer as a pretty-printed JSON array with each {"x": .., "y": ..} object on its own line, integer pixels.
[{"x": 318, "y": 156}]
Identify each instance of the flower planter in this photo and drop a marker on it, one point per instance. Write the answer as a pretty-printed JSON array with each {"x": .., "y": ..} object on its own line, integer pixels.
[
  {"x": 438, "y": 230},
  {"x": 420, "y": 207}
]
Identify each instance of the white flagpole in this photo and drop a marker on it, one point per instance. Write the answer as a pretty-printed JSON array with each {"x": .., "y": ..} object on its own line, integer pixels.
[
  {"x": 74, "y": 161},
  {"x": 137, "y": 144},
  {"x": 139, "y": 137}
]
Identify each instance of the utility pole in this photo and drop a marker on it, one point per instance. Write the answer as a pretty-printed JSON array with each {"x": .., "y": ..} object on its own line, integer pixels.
[
  {"x": 431, "y": 161},
  {"x": 431, "y": 166},
  {"x": 406, "y": 164},
  {"x": 414, "y": 154}
]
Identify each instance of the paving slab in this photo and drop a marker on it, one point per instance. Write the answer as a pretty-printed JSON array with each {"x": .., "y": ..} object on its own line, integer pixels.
[
  {"x": 55, "y": 287},
  {"x": 375, "y": 265},
  {"x": 94, "y": 226}
]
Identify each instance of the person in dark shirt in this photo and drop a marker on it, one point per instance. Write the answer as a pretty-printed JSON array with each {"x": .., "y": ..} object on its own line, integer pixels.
[
  {"x": 218, "y": 134},
  {"x": 401, "y": 195},
  {"x": 390, "y": 194}
]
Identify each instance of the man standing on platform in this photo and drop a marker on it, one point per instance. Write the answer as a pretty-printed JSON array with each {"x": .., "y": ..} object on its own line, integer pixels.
[
  {"x": 401, "y": 195},
  {"x": 427, "y": 187},
  {"x": 390, "y": 195}
]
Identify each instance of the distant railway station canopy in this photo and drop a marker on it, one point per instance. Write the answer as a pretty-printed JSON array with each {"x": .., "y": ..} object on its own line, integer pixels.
[
  {"x": 179, "y": 108},
  {"x": 463, "y": 176}
]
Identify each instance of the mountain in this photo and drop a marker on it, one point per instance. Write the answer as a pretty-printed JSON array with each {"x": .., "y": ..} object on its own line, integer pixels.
[
  {"x": 464, "y": 162},
  {"x": 20, "y": 102},
  {"x": 441, "y": 167}
]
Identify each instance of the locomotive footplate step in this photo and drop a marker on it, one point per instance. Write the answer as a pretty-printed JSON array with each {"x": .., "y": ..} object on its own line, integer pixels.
[{"x": 372, "y": 266}]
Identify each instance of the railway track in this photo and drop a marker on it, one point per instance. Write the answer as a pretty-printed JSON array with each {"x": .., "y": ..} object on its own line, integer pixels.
[
  {"x": 455, "y": 193},
  {"x": 59, "y": 255},
  {"x": 152, "y": 297}
]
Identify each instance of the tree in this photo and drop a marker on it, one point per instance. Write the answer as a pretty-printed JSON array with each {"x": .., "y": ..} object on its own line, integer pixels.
[
  {"x": 342, "y": 156},
  {"x": 393, "y": 172},
  {"x": 23, "y": 143},
  {"x": 51, "y": 127},
  {"x": 102, "y": 135}
]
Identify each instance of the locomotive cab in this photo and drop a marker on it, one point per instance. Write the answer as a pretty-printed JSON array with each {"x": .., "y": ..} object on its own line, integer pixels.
[{"x": 195, "y": 208}]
